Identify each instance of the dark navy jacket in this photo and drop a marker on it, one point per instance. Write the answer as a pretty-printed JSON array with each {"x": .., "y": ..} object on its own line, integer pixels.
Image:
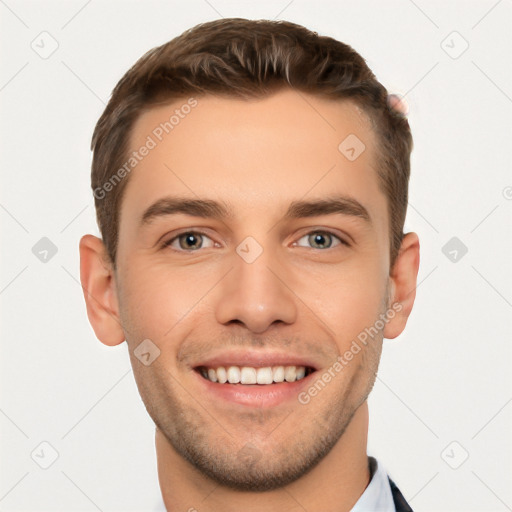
[{"x": 400, "y": 504}]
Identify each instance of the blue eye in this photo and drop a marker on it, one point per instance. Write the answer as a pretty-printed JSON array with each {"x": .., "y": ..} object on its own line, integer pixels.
[{"x": 323, "y": 239}]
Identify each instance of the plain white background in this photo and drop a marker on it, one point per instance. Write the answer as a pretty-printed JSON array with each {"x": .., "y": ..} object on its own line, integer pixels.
[{"x": 441, "y": 407}]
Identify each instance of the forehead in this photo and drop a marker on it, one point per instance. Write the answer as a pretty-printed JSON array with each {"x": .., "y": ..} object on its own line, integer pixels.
[{"x": 255, "y": 155}]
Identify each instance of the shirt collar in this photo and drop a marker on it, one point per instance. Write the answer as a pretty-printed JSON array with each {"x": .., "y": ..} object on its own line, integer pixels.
[{"x": 377, "y": 497}]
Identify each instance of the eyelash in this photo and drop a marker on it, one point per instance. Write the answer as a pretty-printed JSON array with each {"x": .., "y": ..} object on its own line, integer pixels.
[{"x": 324, "y": 232}]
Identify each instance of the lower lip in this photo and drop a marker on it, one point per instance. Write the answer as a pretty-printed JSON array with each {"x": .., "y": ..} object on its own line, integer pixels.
[{"x": 255, "y": 395}]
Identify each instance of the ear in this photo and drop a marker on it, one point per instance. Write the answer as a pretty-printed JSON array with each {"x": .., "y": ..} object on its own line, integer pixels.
[
  {"x": 98, "y": 284},
  {"x": 403, "y": 278}
]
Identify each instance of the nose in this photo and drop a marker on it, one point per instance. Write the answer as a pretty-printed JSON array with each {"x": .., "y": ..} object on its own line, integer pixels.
[{"x": 256, "y": 294}]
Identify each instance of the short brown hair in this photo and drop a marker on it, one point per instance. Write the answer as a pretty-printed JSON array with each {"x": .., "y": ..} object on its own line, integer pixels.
[{"x": 248, "y": 59}]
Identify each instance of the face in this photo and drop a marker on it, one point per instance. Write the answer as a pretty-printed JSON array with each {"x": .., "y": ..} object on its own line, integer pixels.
[{"x": 254, "y": 279}]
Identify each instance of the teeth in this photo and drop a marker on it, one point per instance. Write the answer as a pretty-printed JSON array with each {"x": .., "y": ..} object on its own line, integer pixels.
[
  {"x": 289, "y": 374},
  {"x": 300, "y": 372},
  {"x": 234, "y": 375},
  {"x": 250, "y": 375},
  {"x": 278, "y": 373},
  {"x": 222, "y": 375},
  {"x": 264, "y": 375}
]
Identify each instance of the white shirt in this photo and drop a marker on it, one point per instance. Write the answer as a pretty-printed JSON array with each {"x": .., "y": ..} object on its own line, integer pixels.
[{"x": 377, "y": 497}]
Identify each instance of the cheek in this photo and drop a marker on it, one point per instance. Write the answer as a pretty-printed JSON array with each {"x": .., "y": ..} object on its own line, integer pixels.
[
  {"x": 154, "y": 299},
  {"x": 347, "y": 300}
]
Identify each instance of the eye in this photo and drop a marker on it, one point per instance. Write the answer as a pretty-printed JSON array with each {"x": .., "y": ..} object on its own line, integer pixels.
[
  {"x": 188, "y": 241},
  {"x": 322, "y": 240}
]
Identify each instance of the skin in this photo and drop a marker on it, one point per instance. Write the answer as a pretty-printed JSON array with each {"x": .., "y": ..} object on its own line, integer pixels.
[{"x": 310, "y": 299}]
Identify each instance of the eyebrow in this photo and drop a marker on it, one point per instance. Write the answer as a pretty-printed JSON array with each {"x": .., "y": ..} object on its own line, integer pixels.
[{"x": 208, "y": 208}]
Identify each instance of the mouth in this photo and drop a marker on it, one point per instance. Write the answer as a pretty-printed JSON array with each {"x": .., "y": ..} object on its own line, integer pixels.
[
  {"x": 249, "y": 375},
  {"x": 263, "y": 386}
]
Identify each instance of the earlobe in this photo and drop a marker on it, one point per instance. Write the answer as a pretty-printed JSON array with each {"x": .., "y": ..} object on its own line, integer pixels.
[
  {"x": 403, "y": 282},
  {"x": 98, "y": 285}
]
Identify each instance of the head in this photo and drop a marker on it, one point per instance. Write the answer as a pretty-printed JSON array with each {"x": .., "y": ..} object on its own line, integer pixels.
[{"x": 251, "y": 185}]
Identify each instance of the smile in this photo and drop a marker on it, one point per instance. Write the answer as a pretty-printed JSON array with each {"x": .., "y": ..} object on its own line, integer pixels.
[
  {"x": 247, "y": 375},
  {"x": 250, "y": 386}
]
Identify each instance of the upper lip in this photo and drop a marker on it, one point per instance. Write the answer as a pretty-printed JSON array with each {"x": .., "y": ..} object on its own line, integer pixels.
[{"x": 257, "y": 359}]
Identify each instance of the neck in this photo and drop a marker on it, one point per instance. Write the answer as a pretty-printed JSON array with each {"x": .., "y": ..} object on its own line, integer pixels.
[{"x": 333, "y": 485}]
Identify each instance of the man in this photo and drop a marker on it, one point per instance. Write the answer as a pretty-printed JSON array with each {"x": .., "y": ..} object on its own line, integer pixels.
[{"x": 251, "y": 184}]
